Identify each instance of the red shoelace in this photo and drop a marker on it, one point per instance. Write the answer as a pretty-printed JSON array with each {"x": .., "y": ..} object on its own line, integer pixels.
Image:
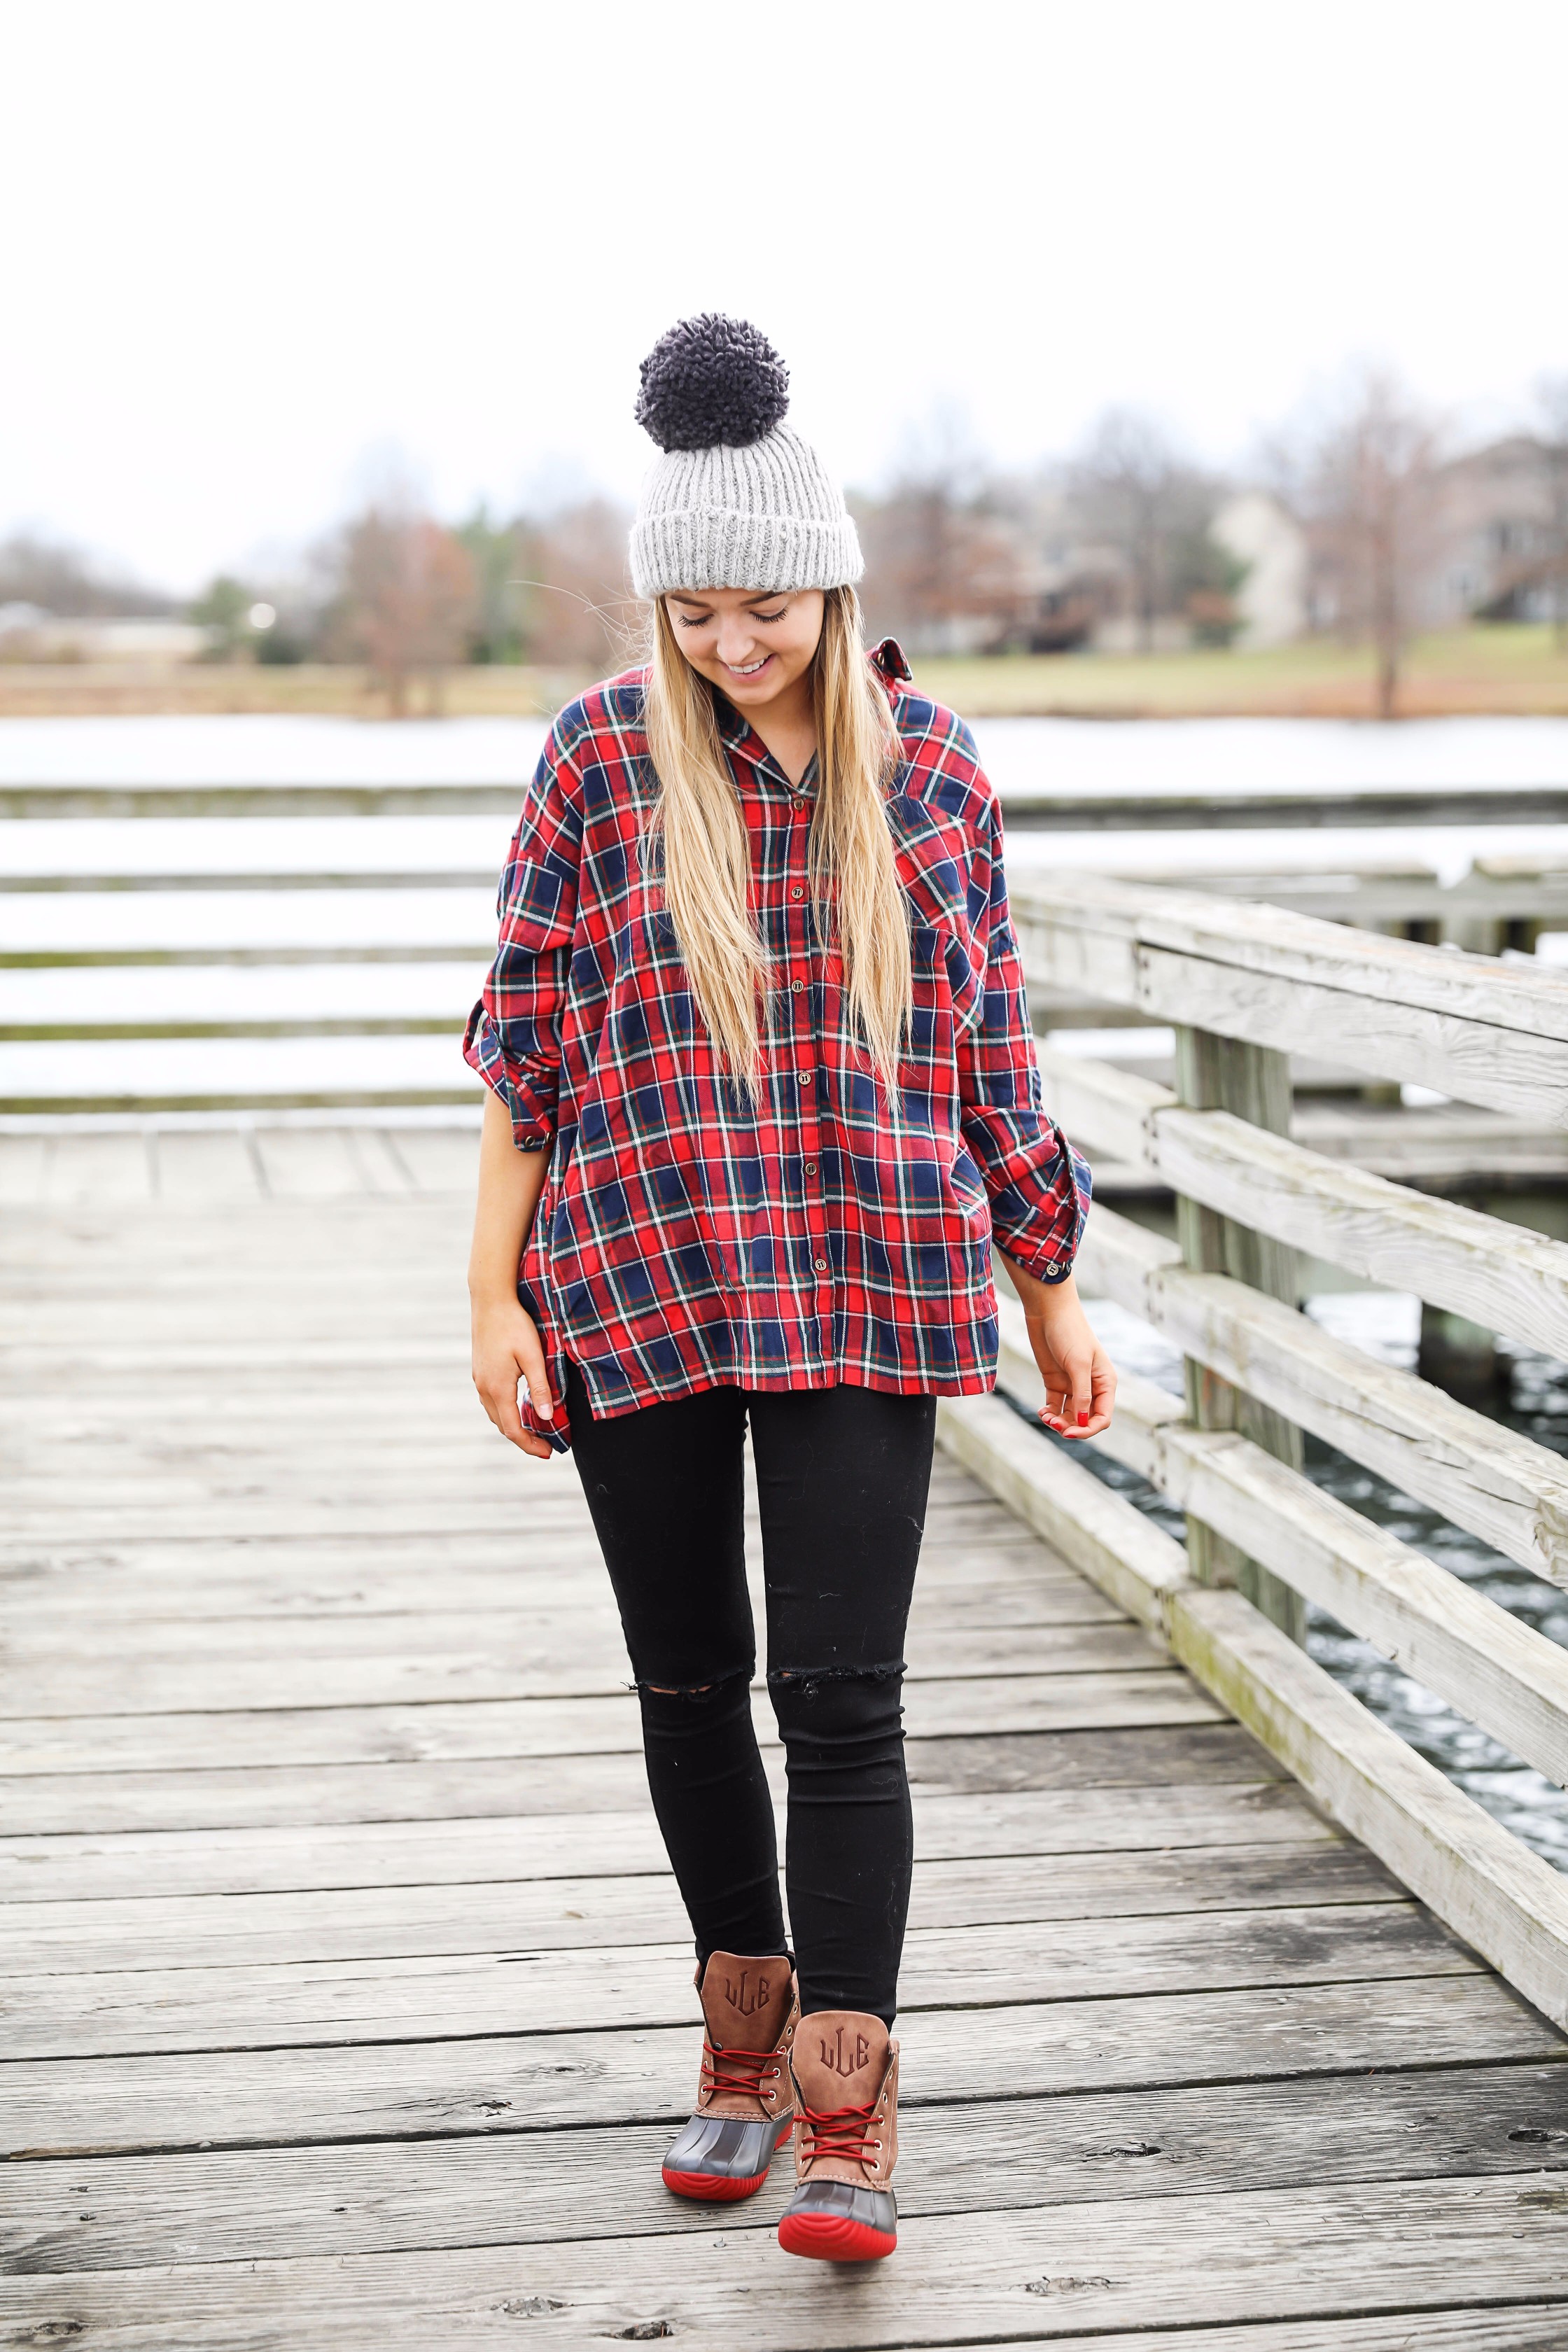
[
  {"x": 840, "y": 2131},
  {"x": 737, "y": 2070}
]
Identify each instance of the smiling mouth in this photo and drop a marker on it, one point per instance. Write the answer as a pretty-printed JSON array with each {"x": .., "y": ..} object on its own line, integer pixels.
[{"x": 751, "y": 670}]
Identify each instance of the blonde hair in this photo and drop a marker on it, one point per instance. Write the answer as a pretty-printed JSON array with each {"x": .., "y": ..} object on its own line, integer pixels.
[{"x": 699, "y": 828}]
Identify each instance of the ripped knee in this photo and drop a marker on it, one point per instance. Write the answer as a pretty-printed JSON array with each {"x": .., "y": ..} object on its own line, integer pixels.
[
  {"x": 841, "y": 1726},
  {"x": 808, "y": 1681},
  {"x": 716, "y": 1688},
  {"x": 838, "y": 1703}
]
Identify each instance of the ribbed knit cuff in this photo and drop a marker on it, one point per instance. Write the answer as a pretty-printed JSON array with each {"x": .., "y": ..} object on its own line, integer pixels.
[{"x": 710, "y": 548}]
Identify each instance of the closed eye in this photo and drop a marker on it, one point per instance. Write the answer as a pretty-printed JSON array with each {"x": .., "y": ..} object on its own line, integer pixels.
[{"x": 704, "y": 620}]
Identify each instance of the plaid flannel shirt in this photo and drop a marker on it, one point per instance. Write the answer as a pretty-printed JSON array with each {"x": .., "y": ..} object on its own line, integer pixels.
[{"x": 686, "y": 1239}]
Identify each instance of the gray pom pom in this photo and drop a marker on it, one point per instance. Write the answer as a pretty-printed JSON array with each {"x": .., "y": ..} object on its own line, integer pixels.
[{"x": 712, "y": 379}]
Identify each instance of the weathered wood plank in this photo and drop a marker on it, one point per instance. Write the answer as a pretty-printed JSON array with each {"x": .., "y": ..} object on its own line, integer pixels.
[
  {"x": 23, "y": 1161},
  {"x": 1501, "y": 1674},
  {"x": 1217, "y": 1073},
  {"x": 1112, "y": 2263},
  {"x": 545, "y": 1727},
  {"x": 1503, "y": 1275},
  {"x": 308, "y": 1162},
  {"x": 1505, "y": 1488},
  {"x": 483, "y": 1658},
  {"x": 450, "y": 2086},
  {"x": 274, "y": 1796},
  {"x": 983, "y": 2156},
  {"x": 206, "y": 1164},
  {"x": 1489, "y": 2327},
  {"x": 529, "y": 1845},
  {"x": 1525, "y": 1002},
  {"x": 169, "y": 1932},
  {"x": 96, "y": 1171},
  {"x": 106, "y": 1605},
  {"x": 462, "y": 1494},
  {"x": 1513, "y": 1906},
  {"x": 485, "y": 1991},
  {"x": 1505, "y": 1069}
]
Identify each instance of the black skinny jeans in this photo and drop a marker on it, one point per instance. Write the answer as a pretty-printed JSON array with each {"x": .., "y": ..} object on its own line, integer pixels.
[{"x": 842, "y": 1475}]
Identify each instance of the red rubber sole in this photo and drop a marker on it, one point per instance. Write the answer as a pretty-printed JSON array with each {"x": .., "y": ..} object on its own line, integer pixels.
[
  {"x": 713, "y": 2189},
  {"x": 832, "y": 2238},
  {"x": 709, "y": 2189}
]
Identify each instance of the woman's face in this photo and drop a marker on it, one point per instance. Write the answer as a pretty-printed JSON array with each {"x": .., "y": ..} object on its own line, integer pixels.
[{"x": 754, "y": 646}]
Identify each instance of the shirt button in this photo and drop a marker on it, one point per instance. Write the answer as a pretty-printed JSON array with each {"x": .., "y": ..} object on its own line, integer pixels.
[
  {"x": 820, "y": 1264},
  {"x": 811, "y": 1167},
  {"x": 795, "y": 986},
  {"x": 796, "y": 891},
  {"x": 805, "y": 1078}
]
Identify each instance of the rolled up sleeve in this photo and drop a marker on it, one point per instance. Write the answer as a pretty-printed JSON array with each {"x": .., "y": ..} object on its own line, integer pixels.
[
  {"x": 513, "y": 1036},
  {"x": 1039, "y": 1187}
]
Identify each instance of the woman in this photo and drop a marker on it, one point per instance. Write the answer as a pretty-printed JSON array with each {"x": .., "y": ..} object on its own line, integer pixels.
[{"x": 763, "y": 1090}]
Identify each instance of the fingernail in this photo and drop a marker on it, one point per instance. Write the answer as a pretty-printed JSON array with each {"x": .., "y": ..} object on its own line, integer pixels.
[
  {"x": 545, "y": 1412},
  {"x": 1083, "y": 1419}
]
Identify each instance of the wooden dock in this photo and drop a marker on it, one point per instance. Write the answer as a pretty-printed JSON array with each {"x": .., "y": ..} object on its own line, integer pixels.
[{"x": 347, "y": 2000}]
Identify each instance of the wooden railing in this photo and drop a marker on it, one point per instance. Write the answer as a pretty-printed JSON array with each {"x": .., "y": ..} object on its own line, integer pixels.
[
  {"x": 1244, "y": 985},
  {"x": 270, "y": 958}
]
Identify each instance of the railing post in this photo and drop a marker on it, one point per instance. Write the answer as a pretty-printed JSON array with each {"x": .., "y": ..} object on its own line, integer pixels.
[{"x": 1253, "y": 1082}]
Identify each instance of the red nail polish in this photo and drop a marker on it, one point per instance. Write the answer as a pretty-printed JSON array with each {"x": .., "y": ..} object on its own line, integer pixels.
[{"x": 1083, "y": 1419}]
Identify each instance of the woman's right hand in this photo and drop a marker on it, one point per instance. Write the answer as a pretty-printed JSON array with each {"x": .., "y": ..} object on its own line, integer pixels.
[{"x": 506, "y": 1350}]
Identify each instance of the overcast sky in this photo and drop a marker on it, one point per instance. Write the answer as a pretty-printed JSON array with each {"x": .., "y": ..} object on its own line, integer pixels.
[{"x": 252, "y": 253}]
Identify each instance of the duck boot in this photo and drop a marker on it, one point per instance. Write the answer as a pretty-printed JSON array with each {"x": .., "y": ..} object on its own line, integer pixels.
[
  {"x": 745, "y": 2105},
  {"x": 845, "y": 2076}
]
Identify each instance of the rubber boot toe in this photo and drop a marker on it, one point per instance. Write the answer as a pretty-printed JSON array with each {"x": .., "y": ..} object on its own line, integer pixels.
[
  {"x": 837, "y": 2221},
  {"x": 720, "y": 2158}
]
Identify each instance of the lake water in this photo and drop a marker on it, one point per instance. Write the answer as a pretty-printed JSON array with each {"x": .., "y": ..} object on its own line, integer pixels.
[
  {"x": 1098, "y": 758},
  {"x": 1062, "y": 754}
]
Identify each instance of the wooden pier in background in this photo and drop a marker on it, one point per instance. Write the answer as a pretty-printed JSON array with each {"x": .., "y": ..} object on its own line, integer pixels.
[{"x": 346, "y": 1998}]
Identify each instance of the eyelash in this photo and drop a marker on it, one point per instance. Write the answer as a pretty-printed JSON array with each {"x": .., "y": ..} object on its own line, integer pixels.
[{"x": 703, "y": 619}]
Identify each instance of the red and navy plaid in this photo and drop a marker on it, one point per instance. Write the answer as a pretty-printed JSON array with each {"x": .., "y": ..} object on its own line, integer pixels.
[{"x": 686, "y": 1239}]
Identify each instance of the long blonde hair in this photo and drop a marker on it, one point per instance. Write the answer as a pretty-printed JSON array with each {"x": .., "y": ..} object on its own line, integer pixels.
[{"x": 701, "y": 832}]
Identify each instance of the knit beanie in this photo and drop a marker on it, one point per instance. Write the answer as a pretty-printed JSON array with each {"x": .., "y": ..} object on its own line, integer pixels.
[{"x": 738, "y": 499}]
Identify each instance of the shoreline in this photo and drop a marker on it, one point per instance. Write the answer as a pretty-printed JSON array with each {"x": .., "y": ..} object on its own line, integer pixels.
[{"x": 1485, "y": 672}]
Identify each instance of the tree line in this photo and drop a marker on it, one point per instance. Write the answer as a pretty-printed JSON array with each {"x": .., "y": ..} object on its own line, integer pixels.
[{"x": 961, "y": 557}]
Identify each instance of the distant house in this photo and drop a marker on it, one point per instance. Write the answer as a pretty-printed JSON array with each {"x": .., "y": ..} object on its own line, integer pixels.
[
  {"x": 1069, "y": 582},
  {"x": 18, "y": 621},
  {"x": 28, "y": 634},
  {"x": 1256, "y": 529},
  {"x": 1505, "y": 533}
]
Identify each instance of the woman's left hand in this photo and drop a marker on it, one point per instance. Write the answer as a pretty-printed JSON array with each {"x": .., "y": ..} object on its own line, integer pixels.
[{"x": 1079, "y": 1377}]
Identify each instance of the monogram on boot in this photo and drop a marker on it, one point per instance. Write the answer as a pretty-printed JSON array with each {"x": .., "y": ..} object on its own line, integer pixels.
[{"x": 745, "y": 2104}]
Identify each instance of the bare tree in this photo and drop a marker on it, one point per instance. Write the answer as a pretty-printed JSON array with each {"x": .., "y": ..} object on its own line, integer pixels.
[
  {"x": 406, "y": 599},
  {"x": 1369, "y": 491},
  {"x": 1131, "y": 488},
  {"x": 940, "y": 554},
  {"x": 578, "y": 608},
  {"x": 553, "y": 586},
  {"x": 63, "y": 580},
  {"x": 1551, "y": 398}
]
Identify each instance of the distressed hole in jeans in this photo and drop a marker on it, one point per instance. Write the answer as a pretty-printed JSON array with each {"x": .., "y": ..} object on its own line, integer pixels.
[
  {"x": 697, "y": 1690},
  {"x": 806, "y": 1679}
]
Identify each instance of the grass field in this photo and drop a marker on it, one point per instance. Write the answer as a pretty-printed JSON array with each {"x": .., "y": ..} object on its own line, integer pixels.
[
  {"x": 1479, "y": 670},
  {"x": 1502, "y": 669}
]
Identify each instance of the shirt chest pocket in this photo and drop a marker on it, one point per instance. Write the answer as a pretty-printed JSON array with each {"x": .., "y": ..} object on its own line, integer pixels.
[{"x": 946, "y": 954}]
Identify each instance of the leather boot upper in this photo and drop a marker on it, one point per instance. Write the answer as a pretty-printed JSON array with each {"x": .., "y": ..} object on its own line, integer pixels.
[
  {"x": 750, "y": 2008},
  {"x": 846, "y": 2071}
]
